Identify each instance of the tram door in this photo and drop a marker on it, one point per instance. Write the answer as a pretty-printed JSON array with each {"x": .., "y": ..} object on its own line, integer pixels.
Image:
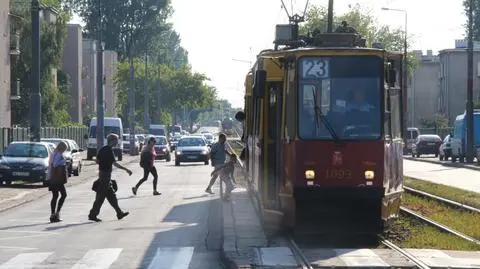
[{"x": 273, "y": 140}]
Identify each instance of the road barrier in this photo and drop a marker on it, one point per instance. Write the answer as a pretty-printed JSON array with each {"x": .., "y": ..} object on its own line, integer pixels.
[{"x": 8, "y": 135}]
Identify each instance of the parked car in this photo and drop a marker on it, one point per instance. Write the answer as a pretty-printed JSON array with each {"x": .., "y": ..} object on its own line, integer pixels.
[
  {"x": 26, "y": 161},
  {"x": 73, "y": 154},
  {"x": 192, "y": 149},
  {"x": 426, "y": 144},
  {"x": 445, "y": 150},
  {"x": 162, "y": 149},
  {"x": 412, "y": 135}
]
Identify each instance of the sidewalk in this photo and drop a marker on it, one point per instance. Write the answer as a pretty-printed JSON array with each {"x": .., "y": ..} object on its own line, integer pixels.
[
  {"x": 242, "y": 230},
  {"x": 19, "y": 194},
  {"x": 474, "y": 166},
  {"x": 462, "y": 178}
]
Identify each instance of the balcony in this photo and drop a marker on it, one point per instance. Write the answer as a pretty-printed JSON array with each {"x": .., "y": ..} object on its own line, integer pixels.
[{"x": 14, "y": 44}]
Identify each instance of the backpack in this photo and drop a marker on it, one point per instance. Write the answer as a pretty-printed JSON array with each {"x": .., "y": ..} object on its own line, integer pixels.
[{"x": 144, "y": 159}]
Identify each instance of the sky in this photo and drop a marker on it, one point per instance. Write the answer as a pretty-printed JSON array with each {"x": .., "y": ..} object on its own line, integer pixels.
[{"x": 222, "y": 36}]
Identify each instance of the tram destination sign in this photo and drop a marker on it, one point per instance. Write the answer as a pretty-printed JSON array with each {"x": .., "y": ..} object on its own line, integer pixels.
[{"x": 315, "y": 68}]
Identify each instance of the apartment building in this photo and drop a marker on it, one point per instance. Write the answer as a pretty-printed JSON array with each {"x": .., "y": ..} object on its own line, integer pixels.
[
  {"x": 453, "y": 78},
  {"x": 110, "y": 62},
  {"x": 89, "y": 76},
  {"x": 6, "y": 51},
  {"x": 423, "y": 88},
  {"x": 72, "y": 65}
]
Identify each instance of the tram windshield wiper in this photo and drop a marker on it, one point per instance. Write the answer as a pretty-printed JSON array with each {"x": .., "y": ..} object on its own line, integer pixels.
[{"x": 321, "y": 116}]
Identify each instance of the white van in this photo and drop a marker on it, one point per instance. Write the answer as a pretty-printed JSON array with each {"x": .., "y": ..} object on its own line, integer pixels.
[
  {"x": 158, "y": 130},
  {"x": 111, "y": 125}
]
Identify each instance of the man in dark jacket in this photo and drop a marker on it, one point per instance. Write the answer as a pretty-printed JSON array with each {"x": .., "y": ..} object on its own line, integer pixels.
[{"x": 105, "y": 161}]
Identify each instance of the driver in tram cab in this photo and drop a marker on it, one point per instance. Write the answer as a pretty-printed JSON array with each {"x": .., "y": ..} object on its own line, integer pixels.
[{"x": 358, "y": 101}]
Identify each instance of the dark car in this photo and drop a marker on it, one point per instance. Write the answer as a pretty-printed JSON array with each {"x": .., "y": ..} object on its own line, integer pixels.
[
  {"x": 192, "y": 149},
  {"x": 426, "y": 144},
  {"x": 73, "y": 154},
  {"x": 162, "y": 149},
  {"x": 26, "y": 161}
]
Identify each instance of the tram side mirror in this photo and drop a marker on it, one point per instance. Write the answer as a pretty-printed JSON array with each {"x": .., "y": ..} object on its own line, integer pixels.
[
  {"x": 85, "y": 137},
  {"x": 240, "y": 116},
  {"x": 260, "y": 83}
]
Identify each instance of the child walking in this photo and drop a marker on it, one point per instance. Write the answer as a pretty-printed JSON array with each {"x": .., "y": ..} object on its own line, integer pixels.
[{"x": 225, "y": 172}]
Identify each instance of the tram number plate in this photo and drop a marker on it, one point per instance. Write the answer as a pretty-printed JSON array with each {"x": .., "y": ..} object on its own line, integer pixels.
[
  {"x": 317, "y": 68},
  {"x": 338, "y": 174}
]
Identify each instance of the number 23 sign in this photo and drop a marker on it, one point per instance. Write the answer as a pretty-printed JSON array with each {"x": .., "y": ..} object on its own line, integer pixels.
[{"x": 315, "y": 68}]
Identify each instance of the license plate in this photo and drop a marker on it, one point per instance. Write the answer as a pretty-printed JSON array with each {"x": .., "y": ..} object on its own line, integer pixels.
[
  {"x": 21, "y": 174},
  {"x": 431, "y": 144},
  {"x": 192, "y": 157}
]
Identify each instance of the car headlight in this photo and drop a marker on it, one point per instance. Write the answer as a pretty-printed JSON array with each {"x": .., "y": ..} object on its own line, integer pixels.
[
  {"x": 204, "y": 152},
  {"x": 178, "y": 152},
  {"x": 4, "y": 166}
]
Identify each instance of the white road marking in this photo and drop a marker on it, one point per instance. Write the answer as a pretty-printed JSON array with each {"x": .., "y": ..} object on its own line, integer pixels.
[
  {"x": 438, "y": 258},
  {"x": 277, "y": 256},
  {"x": 172, "y": 258},
  {"x": 360, "y": 258},
  {"x": 98, "y": 258},
  {"x": 26, "y": 260}
]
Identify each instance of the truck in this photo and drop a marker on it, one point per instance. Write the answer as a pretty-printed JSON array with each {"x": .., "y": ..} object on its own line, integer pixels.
[
  {"x": 458, "y": 140},
  {"x": 157, "y": 129}
]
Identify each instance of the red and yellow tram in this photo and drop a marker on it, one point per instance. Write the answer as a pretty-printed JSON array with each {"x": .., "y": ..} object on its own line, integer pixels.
[{"x": 323, "y": 130}]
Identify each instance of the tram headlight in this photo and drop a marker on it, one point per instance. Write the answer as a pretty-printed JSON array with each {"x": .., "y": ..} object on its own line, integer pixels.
[
  {"x": 369, "y": 174},
  {"x": 309, "y": 174}
]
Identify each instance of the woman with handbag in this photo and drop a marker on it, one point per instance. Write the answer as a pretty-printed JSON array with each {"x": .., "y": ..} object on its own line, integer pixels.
[{"x": 56, "y": 181}]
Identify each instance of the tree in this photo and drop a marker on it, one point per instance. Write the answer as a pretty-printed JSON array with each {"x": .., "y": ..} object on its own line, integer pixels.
[
  {"x": 437, "y": 121},
  {"x": 143, "y": 20},
  {"x": 55, "y": 100},
  {"x": 178, "y": 89},
  {"x": 476, "y": 18},
  {"x": 364, "y": 22}
]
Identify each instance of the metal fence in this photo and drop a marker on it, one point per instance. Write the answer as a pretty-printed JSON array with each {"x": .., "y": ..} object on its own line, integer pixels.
[{"x": 8, "y": 135}]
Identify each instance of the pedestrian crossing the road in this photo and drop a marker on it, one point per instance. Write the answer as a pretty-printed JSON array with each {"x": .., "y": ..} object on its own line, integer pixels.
[{"x": 163, "y": 258}]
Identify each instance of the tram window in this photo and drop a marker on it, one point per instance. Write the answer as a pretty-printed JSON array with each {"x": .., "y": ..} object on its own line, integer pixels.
[{"x": 395, "y": 111}]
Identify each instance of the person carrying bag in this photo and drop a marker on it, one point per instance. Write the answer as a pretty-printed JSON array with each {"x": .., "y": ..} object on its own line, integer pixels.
[{"x": 57, "y": 178}]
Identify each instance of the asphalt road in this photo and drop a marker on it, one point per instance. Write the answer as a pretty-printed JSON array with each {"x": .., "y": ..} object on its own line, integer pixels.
[{"x": 179, "y": 229}]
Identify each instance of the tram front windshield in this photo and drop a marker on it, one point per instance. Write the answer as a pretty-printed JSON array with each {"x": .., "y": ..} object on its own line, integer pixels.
[{"x": 340, "y": 98}]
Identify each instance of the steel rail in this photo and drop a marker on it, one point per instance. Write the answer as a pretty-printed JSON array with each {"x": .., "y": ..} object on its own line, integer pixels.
[
  {"x": 304, "y": 263},
  {"x": 441, "y": 199},
  {"x": 440, "y": 226},
  {"x": 420, "y": 264}
]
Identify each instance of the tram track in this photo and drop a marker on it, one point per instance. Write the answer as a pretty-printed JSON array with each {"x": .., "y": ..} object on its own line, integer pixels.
[
  {"x": 435, "y": 224},
  {"x": 417, "y": 262}
]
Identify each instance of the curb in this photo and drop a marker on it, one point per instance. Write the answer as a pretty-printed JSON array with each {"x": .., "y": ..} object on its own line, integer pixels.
[
  {"x": 46, "y": 193},
  {"x": 447, "y": 164}
]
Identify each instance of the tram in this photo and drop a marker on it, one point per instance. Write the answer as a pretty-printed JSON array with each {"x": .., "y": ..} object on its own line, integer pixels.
[
  {"x": 227, "y": 126},
  {"x": 323, "y": 131}
]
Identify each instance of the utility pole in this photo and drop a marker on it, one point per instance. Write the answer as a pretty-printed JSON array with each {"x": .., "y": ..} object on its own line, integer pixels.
[
  {"x": 100, "y": 90},
  {"x": 469, "y": 108},
  {"x": 330, "y": 16},
  {"x": 36, "y": 105},
  {"x": 132, "y": 95},
  {"x": 145, "y": 100}
]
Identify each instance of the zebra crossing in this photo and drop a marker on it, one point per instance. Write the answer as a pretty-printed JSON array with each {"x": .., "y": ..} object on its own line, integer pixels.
[{"x": 104, "y": 258}]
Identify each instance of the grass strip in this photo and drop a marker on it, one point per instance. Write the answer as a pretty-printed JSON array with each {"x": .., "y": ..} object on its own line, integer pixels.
[
  {"x": 460, "y": 220},
  {"x": 455, "y": 194},
  {"x": 409, "y": 232}
]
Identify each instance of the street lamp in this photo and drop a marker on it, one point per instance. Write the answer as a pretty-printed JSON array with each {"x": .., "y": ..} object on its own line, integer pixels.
[
  {"x": 405, "y": 68},
  {"x": 100, "y": 132}
]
